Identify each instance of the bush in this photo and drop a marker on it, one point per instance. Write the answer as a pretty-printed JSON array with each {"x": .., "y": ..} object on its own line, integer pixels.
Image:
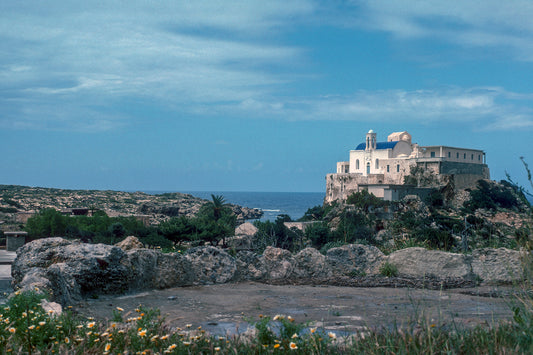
[{"x": 388, "y": 269}]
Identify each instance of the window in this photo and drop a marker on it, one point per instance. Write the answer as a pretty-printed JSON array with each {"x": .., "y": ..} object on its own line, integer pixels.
[
  {"x": 457, "y": 155},
  {"x": 377, "y": 164},
  {"x": 388, "y": 170},
  {"x": 449, "y": 154},
  {"x": 472, "y": 158},
  {"x": 367, "y": 168},
  {"x": 464, "y": 156},
  {"x": 479, "y": 157},
  {"x": 398, "y": 168},
  {"x": 357, "y": 164},
  {"x": 433, "y": 154}
]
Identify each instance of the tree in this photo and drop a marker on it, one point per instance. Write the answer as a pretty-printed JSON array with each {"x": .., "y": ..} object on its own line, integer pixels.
[
  {"x": 215, "y": 220},
  {"x": 47, "y": 223}
]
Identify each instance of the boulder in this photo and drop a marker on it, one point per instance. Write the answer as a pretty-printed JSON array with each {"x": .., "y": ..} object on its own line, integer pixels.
[
  {"x": 211, "y": 265},
  {"x": 355, "y": 259},
  {"x": 73, "y": 269},
  {"x": 279, "y": 263},
  {"x": 246, "y": 229},
  {"x": 310, "y": 263},
  {"x": 419, "y": 262},
  {"x": 250, "y": 266},
  {"x": 130, "y": 243},
  {"x": 498, "y": 265}
]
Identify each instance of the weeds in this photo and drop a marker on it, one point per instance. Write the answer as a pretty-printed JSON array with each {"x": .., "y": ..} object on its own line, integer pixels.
[{"x": 26, "y": 328}]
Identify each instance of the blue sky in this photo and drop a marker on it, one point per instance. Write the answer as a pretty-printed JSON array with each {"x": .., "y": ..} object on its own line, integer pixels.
[{"x": 254, "y": 95}]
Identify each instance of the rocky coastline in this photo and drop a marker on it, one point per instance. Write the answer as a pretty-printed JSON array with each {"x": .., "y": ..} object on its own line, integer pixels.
[{"x": 19, "y": 201}]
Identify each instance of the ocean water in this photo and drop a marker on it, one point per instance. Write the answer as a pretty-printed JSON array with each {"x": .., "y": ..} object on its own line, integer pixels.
[{"x": 294, "y": 204}]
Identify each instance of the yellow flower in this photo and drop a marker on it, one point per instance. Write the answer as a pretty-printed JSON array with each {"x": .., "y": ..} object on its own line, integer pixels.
[
  {"x": 332, "y": 335},
  {"x": 217, "y": 348},
  {"x": 277, "y": 316},
  {"x": 154, "y": 338},
  {"x": 290, "y": 319},
  {"x": 120, "y": 309},
  {"x": 90, "y": 325},
  {"x": 312, "y": 330},
  {"x": 186, "y": 343},
  {"x": 31, "y": 327},
  {"x": 293, "y": 346},
  {"x": 142, "y": 332},
  {"x": 172, "y": 347},
  {"x": 12, "y": 330},
  {"x": 107, "y": 347},
  {"x": 96, "y": 340},
  {"x": 276, "y": 346},
  {"x": 42, "y": 323},
  {"x": 294, "y": 336},
  {"x": 67, "y": 340},
  {"x": 188, "y": 325},
  {"x": 164, "y": 337}
]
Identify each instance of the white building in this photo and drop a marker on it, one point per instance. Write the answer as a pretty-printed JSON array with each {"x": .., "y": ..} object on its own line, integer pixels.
[{"x": 387, "y": 163}]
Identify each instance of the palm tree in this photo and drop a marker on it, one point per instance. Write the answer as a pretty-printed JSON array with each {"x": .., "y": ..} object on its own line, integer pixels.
[{"x": 217, "y": 206}]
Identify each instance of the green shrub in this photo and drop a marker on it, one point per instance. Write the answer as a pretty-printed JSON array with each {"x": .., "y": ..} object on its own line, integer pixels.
[{"x": 388, "y": 269}]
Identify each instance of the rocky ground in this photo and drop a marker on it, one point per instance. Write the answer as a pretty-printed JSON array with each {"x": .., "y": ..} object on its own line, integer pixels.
[
  {"x": 227, "y": 308},
  {"x": 15, "y": 199}
]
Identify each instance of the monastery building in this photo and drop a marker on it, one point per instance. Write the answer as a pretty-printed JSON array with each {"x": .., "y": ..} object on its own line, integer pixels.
[{"x": 380, "y": 167}]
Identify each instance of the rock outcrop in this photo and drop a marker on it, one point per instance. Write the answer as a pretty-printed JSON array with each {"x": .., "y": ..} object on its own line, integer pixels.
[
  {"x": 71, "y": 270},
  {"x": 419, "y": 262},
  {"x": 355, "y": 259}
]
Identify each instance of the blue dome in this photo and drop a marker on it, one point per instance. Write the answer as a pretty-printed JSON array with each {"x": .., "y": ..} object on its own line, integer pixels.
[{"x": 379, "y": 145}]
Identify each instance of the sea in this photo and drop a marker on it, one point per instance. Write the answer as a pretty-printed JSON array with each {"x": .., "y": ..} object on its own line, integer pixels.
[{"x": 273, "y": 204}]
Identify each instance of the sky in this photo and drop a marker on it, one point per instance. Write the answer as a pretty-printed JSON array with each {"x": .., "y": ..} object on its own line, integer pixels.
[{"x": 254, "y": 95}]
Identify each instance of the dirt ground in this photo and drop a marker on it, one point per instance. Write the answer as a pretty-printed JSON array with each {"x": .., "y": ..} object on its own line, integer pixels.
[{"x": 225, "y": 308}]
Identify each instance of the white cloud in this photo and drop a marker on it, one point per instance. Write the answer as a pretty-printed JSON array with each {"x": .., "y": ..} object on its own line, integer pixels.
[
  {"x": 488, "y": 23},
  {"x": 490, "y": 108},
  {"x": 175, "y": 53}
]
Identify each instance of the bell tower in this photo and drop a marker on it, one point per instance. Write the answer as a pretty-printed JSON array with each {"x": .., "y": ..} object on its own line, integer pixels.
[{"x": 370, "y": 140}]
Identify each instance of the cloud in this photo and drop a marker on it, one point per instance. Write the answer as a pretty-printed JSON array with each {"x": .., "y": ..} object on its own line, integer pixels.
[
  {"x": 490, "y": 23},
  {"x": 178, "y": 54},
  {"x": 490, "y": 108}
]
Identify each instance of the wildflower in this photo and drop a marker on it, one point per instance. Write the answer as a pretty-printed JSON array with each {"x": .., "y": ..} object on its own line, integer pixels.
[
  {"x": 90, "y": 325},
  {"x": 217, "y": 348},
  {"x": 186, "y": 343},
  {"x": 294, "y": 336},
  {"x": 31, "y": 327},
  {"x": 105, "y": 334},
  {"x": 276, "y": 346},
  {"x": 42, "y": 323},
  {"x": 142, "y": 332},
  {"x": 164, "y": 337},
  {"x": 78, "y": 326},
  {"x": 67, "y": 340},
  {"x": 433, "y": 325},
  {"x": 200, "y": 327},
  {"x": 277, "y": 316},
  {"x": 120, "y": 309},
  {"x": 96, "y": 340},
  {"x": 12, "y": 330},
  {"x": 154, "y": 338},
  {"x": 312, "y": 330},
  {"x": 24, "y": 314},
  {"x": 293, "y": 346},
  {"x": 172, "y": 347},
  {"x": 290, "y": 319},
  {"x": 332, "y": 335},
  {"x": 142, "y": 314},
  {"x": 188, "y": 325},
  {"x": 107, "y": 347},
  {"x": 113, "y": 325}
]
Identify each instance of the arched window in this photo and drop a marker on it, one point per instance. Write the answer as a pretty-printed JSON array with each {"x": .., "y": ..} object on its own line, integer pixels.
[
  {"x": 377, "y": 164},
  {"x": 368, "y": 168},
  {"x": 357, "y": 164}
]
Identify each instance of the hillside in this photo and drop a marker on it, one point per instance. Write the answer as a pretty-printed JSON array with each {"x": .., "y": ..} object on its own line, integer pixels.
[{"x": 15, "y": 199}]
